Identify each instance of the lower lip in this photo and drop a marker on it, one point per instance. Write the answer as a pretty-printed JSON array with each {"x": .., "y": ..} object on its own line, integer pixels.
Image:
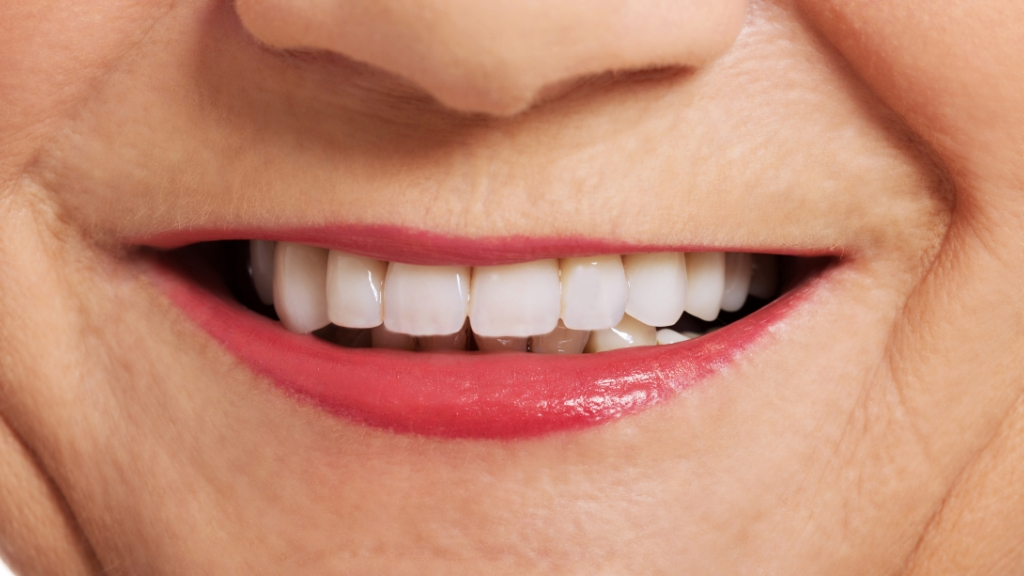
[{"x": 470, "y": 395}]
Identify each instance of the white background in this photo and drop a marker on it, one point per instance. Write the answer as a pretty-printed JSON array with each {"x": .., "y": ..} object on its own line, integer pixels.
[{"x": 4, "y": 570}]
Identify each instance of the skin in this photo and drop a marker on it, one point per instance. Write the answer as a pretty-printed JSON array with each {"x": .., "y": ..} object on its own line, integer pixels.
[{"x": 880, "y": 430}]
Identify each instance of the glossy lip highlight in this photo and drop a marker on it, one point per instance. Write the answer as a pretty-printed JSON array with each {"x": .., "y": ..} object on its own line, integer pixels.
[{"x": 470, "y": 395}]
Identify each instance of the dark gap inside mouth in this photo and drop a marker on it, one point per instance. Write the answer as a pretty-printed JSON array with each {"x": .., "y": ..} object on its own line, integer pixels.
[
  {"x": 793, "y": 270},
  {"x": 226, "y": 267}
]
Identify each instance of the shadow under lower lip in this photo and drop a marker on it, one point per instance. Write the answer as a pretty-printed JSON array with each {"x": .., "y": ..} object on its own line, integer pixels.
[{"x": 465, "y": 395}]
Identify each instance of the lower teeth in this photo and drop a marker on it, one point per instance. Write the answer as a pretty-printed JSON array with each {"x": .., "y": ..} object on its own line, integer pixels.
[{"x": 716, "y": 285}]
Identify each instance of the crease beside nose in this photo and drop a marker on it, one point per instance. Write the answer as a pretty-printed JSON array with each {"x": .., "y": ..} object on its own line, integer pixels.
[{"x": 495, "y": 57}]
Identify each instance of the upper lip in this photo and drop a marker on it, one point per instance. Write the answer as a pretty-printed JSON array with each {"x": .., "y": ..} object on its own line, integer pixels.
[
  {"x": 399, "y": 244},
  {"x": 240, "y": 143}
]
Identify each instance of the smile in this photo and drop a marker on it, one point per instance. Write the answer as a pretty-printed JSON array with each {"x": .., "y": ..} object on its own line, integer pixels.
[{"x": 405, "y": 334}]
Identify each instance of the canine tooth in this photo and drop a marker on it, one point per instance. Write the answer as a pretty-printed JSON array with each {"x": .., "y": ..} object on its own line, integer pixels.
[
  {"x": 626, "y": 334},
  {"x": 501, "y": 343},
  {"x": 515, "y": 299},
  {"x": 261, "y": 267},
  {"x": 737, "y": 280},
  {"x": 594, "y": 292},
  {"x": 666, "y": 336},
  {"x": 657, "y": 287},
  {"x": 300, "y": 287},
  {"x": 426, "y": 300},
  {"x": 381, "y": 337},
  {"x": 705, "y": 276},
  {"x": 765, "y": 278},
  {"x": 561, "y": 340},
  {"x": 355, "y": 295}
]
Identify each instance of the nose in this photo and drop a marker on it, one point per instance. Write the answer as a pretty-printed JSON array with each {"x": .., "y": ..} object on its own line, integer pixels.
[{"x": 496, "y": 56}]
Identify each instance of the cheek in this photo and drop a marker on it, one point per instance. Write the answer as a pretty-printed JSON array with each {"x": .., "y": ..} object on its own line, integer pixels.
[
  {"x": 952, "y": 69},
  {"x": 52, "y": 54}
]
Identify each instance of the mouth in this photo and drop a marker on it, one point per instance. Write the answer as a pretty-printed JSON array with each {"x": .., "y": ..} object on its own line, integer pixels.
[{"x": 469, "y": 338}]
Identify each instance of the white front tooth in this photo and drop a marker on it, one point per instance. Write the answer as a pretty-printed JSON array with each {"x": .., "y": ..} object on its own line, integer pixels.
[
  {"x": 738, "y": 269},
  {"x": 626, "y": 334},
  {"x": 657, "y": 287},
  {"x": 666, "y": 336},
  {"x": 456, "y": 341},
  {"x": 765, "y": 278},
  {"x": 561, "y": 340},
  {"x": 501, "y": 343},
  {"x": 426, "y": 300},
  {"x": 705, "y": 277},
  {"x": 515, "y": 299},
  {"x": 261, "y": 267},
  {"x": 594, "y": 292},
  {"x": 381, "y": 337},
  {"x": 300, "y": 287},
  {"x": 355, "y": 290}
]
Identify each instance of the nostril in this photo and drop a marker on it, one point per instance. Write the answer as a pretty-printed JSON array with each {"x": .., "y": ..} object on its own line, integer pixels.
[{"x": 499, "y": 57}]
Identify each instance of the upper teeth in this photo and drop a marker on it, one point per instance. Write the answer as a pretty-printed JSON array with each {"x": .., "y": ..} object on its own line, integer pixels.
[
  {"x": 425, "y": 300},
  {"x": 355, "y": 290},
  {"x": 300, "y": 287},
  {"x": 601, "y": 302},
  {"x": 657, "y": 287},
  {"x": 705, "y": 276},
  {"x": 515, "y": 299},
  {"x": 594, "y": 292},
  {"x": 737, "y": 281}
]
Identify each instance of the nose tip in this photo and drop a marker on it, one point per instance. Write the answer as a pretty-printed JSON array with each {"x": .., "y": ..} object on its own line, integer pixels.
[{"x": 496, "y": 57}]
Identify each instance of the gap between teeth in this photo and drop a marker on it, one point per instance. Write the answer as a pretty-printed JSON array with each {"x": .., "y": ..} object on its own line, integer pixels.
[{"x": 566, "y": 306}]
